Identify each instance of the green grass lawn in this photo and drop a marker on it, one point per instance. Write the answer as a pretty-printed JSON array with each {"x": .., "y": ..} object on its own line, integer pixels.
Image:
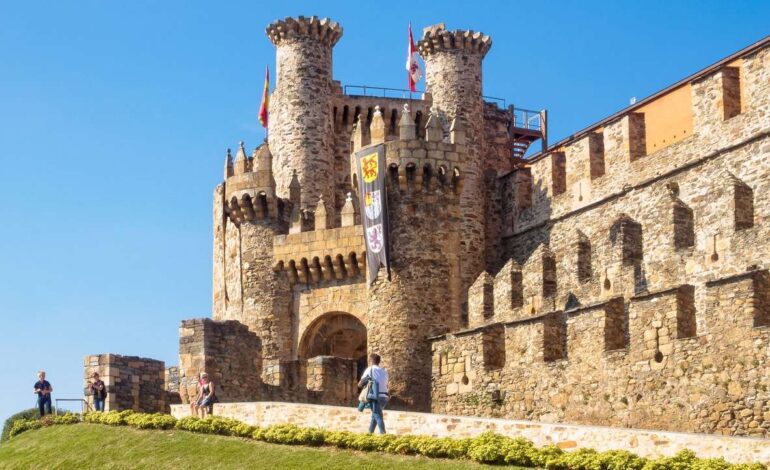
[{"x": 92, "y": 445}]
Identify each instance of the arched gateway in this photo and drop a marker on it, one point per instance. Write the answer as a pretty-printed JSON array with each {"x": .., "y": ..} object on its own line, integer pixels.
[
  {"x": 336, "y": 334},
  {"x": 333, "y": 348}
]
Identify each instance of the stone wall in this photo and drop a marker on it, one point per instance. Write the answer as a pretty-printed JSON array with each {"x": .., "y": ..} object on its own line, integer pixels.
[
  {"x": 133, "y": 383},
  {"x": 632, "y": 291},
  {"x": 227, "y": 351},
  {"x": 247, "y": 216},
  {"x": 172, "y": 385},
  {"x": 653, "y": 361},
  {"x": 566, "y": 436},
  {"x": 625, "y": 165},
  {"x": 332, "y": 380}
]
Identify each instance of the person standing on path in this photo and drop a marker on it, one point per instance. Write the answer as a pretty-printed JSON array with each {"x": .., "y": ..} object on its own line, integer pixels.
[
  {"x": 206, "y": 397},
  {"x": 98, "y": 391},
  {"x": 43, "y": 391},
  {"x": 378, "y": 392}
]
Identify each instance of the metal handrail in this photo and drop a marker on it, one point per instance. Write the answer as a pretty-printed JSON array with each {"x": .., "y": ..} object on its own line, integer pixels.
[
  {"x": 84, "y": 405},
  {"x": 404, "y": 92},
  {"x": 501, "y": 100},
  {"x": 527, "y": 119},
  {"x": 384, "y": 91}
]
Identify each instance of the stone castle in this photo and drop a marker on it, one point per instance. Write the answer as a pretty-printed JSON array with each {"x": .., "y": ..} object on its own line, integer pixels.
[{"x": 618, "y": 277}]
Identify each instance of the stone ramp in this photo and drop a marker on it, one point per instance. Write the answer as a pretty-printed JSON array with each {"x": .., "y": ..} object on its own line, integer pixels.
[{"x": 646, "y": 443}]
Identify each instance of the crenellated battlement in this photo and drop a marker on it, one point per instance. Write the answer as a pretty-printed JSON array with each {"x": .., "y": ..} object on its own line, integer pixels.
[
  {"x": 437, "y": 38},
  {"x": 416, "y": 165},
  {"x": 659, "y": 135},
  {"x": 250, "y": 187},
  {"x": 323, "y": 30},
  {"x": 617, "y": 277}
]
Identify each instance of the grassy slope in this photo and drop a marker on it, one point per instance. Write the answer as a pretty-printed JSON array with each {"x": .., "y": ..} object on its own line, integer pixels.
[{"x": 89, "y": 445}]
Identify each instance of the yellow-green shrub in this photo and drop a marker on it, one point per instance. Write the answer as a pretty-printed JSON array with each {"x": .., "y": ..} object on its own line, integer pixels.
[
  {"x": 24, "y": 425},
  {"x": 489, "y": 448}
]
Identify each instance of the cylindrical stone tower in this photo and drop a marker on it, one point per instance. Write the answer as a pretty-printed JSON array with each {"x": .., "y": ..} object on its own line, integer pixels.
[
  {"x": 300, "y": 126},
  {"x": 247, "y": 215},
  {"x": 453, "y": 77},
  {"x": 421, "y": 298}
]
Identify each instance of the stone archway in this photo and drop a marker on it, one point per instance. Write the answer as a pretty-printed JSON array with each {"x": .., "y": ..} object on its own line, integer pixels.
[
  {"x": 333, "y": 351},
  {"x": 336, "y": 334}
]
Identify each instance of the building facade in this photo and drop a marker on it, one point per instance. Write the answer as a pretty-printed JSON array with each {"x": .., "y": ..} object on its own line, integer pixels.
[{"x": 618, "y": 277}]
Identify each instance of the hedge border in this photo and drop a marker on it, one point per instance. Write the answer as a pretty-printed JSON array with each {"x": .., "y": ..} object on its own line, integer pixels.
[{"x": 487, "y": 448}]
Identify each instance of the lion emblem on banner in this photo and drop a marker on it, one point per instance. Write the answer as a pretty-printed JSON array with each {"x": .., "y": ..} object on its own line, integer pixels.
[
  {"x": 369, "y": 168},
  {"x": 374, "y": 238}
]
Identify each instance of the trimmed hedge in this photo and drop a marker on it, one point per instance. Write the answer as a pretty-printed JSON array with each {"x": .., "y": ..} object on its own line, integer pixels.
[
  {"x": 488, "y": 448},
  {"x": 24, "y": 425}
]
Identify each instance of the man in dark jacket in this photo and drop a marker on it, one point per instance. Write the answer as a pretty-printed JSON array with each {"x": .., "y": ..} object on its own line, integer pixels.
[{"x": 43, "y": 391}]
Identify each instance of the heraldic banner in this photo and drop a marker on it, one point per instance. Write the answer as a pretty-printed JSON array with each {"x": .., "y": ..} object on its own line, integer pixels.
[{"x": 370, "y": 165}]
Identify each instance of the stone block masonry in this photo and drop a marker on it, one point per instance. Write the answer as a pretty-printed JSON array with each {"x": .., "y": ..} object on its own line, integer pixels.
[
  {"x": 644, "y": 286},
  {"x": 618, "y": 277},
  {"x": 227, "y": 351},
  {"x": 133, "y": 383},
  {"x": 567, "y": 436}
]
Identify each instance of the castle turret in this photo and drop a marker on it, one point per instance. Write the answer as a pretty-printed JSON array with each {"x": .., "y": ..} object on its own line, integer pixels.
[
  {"x": 422, "y": 299},
  {"x": 301, "y": 123},
  {"x": 453, "y": 77},
  {"x": 247, "y": 215}
]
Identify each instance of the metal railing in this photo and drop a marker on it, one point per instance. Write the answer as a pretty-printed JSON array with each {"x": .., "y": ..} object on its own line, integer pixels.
[
  {"x": 383, "y": 92},
  {"x": 84, "y": 406},
  {"x": 499, "y": 100},
  {"x": 527, "y": 119}
]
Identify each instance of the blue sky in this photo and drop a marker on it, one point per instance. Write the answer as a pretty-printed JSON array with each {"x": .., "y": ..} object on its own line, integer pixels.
[{"x": 114, "y": 119}]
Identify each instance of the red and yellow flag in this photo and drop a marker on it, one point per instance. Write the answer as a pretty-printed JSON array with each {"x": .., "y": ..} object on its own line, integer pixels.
[{"x": 263, "y": 108}]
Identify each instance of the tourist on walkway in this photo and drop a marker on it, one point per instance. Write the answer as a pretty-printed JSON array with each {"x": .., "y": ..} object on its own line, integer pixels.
[
  {"x": 206, "y": 397},
  {"x": 378, "y": 395},
  {"x": 98, "y": 391},
  {"x": 194, "y": 400},
  {"x": 43, "y": 391}
]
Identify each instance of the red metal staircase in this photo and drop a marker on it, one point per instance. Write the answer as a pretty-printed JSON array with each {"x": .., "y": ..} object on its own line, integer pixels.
[{"x": 525, "y": 127}]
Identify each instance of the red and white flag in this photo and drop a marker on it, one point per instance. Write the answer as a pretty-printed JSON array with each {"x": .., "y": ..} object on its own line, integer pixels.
[{"x": 413, "y": 71}]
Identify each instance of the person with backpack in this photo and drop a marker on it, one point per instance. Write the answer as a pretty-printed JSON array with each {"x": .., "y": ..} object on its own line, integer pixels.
[
  {"x": 98, "y": 390},
  {"x": 375, "y": 379},
  {"x": 43, "y": 391}
]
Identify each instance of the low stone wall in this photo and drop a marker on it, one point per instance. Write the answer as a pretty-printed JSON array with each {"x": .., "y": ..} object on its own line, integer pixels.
[
  {"x": 227, "y": 351},
  {"x": 567, "y": 436},
  {"x": 133, "y": 383},
  {"x": 332, "y": 380}
]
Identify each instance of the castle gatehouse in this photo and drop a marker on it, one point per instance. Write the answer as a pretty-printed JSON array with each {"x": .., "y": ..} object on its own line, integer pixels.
[{"x": 618, "y": 277}]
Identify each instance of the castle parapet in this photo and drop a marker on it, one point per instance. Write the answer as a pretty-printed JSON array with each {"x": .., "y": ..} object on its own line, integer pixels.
[
  {"x": 438, "y": 38},
  {"x": 651, "y": 139},
  {"x": 250, "y": 187},
  {"x": 320, "y": 255},
  {"x": 324, "y": 30},
  {"x": 416, "y": 165}
]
